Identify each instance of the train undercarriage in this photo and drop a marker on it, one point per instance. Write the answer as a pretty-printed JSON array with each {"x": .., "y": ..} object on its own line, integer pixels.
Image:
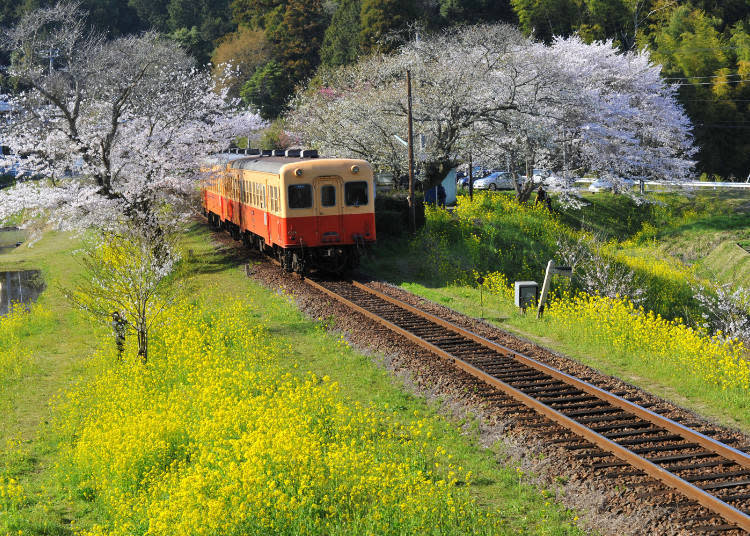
[{"x": 333, "y": 259}]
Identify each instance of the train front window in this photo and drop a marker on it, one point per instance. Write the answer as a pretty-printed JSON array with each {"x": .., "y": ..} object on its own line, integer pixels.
[
  {"x": 328, "y": 196},
  {"x": 300, "y": 196},
  {"x": 355, "y": 193}
]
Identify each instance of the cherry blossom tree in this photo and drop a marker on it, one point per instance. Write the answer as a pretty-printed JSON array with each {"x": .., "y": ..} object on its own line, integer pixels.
[
  {"x": 126, "y": 275},
  {"x": 507, "y": 99},
  {"x": 112, "y": 131},
  {"x": 725, "y": 309}
]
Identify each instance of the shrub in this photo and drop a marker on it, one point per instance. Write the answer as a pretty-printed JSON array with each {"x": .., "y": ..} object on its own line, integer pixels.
[{"x": 392, "y": 213}]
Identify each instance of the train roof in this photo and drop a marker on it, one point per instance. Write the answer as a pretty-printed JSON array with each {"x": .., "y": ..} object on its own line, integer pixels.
[
  {"x": 222, "y": 158},
  {"x": 269, "y": 164}
]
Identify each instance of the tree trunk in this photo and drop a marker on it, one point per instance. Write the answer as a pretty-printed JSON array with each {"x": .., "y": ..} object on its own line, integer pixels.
[
  {"x": 143, "y": 342},
  {"x": 523, "y": 192}
]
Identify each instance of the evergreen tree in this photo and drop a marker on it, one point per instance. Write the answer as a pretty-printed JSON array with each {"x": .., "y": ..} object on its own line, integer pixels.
[
  {"x": 152, "y": 13},
  {"x": 341, "y": 39},
  {"x": 246, "y": 50},
  {"x": 473, "y": 11},
  {"x": 257, "y": 14},
  {"x": 548, "y": 18},
  {"x": 382, "y": 17},
  {"x": 606, "y": 19},
  {"x": 267, "y": 90},
  {"x": 298, "y": 37}
]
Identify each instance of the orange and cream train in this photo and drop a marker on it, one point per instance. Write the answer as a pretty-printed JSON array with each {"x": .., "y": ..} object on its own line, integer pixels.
[{"x": 309, "y": 212}]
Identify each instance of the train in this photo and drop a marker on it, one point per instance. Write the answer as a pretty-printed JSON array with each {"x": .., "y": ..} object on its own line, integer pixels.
[{"x": 310, "y": 213}]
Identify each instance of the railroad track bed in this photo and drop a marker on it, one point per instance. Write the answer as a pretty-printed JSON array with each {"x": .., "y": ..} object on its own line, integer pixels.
[{"x": 619, "y": 498}]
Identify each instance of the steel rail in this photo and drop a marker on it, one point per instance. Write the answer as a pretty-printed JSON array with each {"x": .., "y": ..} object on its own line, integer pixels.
[
  {"x": 727, "y": 511},
  {"x": 737, "y": 456}
]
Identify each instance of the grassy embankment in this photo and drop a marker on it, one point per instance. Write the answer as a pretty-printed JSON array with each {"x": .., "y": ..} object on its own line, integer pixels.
[
  {"x": 227, "y": 399},
  {"x": 11, "y": 238},
  {"x": 494, "y": 237}
]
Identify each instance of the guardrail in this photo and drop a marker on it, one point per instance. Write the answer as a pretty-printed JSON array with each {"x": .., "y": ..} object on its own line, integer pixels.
[{"x": 689, "y": 184}]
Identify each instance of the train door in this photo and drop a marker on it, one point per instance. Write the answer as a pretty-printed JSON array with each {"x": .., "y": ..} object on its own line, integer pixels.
[
  {"x": 243, "y": 201},
  {"x": 266, "y": 216},
  {"x": 328, "y": 207}
]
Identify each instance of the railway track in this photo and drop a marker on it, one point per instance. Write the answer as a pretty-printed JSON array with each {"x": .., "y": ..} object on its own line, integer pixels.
[{"x": 708, "y": 473}]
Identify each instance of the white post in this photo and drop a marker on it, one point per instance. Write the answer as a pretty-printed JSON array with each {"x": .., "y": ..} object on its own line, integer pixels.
[{"x": 545, "y": 288}]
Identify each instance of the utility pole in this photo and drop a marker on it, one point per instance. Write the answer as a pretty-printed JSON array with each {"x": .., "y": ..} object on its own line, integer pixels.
[
  {"x": 412, "y": 209},
  {"x": 471, "y": 179}
]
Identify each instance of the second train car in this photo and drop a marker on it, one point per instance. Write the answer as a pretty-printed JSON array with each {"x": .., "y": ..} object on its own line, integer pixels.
[{"x": 311, "y": 213}]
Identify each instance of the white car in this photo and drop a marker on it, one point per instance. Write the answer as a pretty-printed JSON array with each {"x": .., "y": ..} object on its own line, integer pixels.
[{"x": 499, "y": 180}]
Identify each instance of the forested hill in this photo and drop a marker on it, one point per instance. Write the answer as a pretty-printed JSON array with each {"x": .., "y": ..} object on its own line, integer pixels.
[{"x": 704, "y": 45}]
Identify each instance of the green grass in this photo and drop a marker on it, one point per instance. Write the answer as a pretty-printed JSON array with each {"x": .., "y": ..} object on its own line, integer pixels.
[
  {"x": 11, "y": 238},
  {"x": 30, "y": 446},
  {"x": 727, "y": 262},
  {"x": 693, "y": 229},
  {"x": 673, "y": 214},
  {"x": 60, "y": 349}
]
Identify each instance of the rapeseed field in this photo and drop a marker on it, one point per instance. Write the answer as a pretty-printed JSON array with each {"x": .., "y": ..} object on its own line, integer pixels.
[
  {"x": 213, "y": 437},
  {"x": 616, "y": 325}
]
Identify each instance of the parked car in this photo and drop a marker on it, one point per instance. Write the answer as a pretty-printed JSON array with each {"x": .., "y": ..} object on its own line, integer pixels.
[
  {"x": 462, "y": 177},
  {"x": 499, "y": 180}
]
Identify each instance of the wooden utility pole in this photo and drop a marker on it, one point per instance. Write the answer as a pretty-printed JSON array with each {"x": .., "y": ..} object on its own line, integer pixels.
[
  {"x": 471, "y": 179},
  {"x": 412, "y": 209}
]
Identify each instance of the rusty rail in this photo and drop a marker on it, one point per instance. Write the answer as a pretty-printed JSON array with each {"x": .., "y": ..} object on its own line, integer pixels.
[{"x": 733, "y": 515}]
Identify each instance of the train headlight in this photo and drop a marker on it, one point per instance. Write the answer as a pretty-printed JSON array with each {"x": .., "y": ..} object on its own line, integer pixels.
[
  {"x": 298, "y": 172},
  {"x": 355, "y": 169}
]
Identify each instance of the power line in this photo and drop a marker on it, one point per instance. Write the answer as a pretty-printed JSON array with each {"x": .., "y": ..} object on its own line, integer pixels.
[
  {"x": 692, "y": 77},
  {"x": 718, "y": 82},
  {"x": 723, "y": 47},
  {"x": 723, "y": 126}
]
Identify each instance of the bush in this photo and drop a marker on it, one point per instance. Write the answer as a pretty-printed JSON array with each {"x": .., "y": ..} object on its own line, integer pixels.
[{"x": 392, "y": 213}]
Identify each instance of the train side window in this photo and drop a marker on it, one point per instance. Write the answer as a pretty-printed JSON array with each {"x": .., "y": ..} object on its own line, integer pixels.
[
  {"x": 300, "y": 195},
  {"x": 263, "y": 196},
  {"x": 355, "y": 193},
  {"x": 328, "y": 196}
]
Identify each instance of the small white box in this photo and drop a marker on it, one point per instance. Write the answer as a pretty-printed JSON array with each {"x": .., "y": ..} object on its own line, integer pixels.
[{"x": 527, "y": 293}]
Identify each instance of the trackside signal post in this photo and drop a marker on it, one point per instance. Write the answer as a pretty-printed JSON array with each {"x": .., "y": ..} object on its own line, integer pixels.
[
  {"x": 567, "y": 271},
  {"x": 526, "y": 293}
]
